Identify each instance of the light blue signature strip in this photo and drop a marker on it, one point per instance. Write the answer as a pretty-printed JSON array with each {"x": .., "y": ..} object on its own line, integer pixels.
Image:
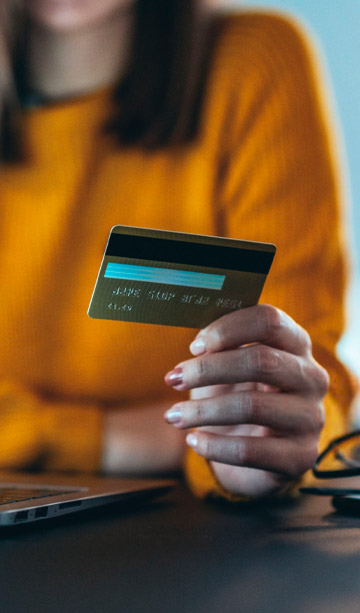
[{"x": 131, "y": 272}]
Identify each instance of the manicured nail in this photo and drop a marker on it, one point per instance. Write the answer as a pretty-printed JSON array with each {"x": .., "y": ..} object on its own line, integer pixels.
[
  {"x": 192, "y": 440},
  {"x": 173, "y": 415},
  {"x": 175, "y": 378},
  {"x": 198, "y": 346}
]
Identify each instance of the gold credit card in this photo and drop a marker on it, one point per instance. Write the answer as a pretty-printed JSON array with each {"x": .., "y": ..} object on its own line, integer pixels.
[{"x": 177, "y": 279}]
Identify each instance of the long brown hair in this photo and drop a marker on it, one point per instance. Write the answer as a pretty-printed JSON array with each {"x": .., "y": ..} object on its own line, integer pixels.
[
  {"x": 158, "y": 99},
  {"x": 11, "y": 21}
]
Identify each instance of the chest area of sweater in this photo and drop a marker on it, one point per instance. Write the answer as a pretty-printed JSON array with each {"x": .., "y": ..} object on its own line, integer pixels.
[{"x": 100, "y": 189}]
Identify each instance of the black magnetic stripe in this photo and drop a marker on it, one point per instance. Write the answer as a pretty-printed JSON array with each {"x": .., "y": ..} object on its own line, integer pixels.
[{"x": 194, "y": 254}]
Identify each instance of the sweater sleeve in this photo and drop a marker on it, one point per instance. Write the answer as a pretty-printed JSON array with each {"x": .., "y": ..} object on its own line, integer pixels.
[
  {"x": 53, "y": 435},
  {"x": 281, "y": 183}
]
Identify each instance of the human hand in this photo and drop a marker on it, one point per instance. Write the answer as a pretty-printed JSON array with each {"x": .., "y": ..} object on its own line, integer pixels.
[{"x": 256, "y": 400}]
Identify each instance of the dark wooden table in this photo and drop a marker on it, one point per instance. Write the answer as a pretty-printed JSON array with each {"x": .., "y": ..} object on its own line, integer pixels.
[{"x": 181, "y": 555}]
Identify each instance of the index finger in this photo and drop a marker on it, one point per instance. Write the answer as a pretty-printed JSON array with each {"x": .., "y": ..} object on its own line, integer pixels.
[{"x": 262, "y": 323}]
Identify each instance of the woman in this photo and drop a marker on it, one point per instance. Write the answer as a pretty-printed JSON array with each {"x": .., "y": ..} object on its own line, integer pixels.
[{"x": 157, "y": 114}]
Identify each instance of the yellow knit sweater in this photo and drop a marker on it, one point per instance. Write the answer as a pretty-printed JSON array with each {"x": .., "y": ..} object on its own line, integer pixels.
[{"x": 261, "y": 169}]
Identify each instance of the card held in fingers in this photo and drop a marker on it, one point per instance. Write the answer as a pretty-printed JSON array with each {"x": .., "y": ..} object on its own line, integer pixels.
[{"x": 177, "y": 279}]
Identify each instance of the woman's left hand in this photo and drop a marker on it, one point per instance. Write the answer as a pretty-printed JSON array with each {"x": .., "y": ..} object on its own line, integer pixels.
[{"x": 256, "y": 400}]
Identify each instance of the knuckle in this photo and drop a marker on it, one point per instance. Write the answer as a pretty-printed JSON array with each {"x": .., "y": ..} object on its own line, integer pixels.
[
  {"x": 216, "y": 336},
  {"x": 321, "y": 379},
  {"x": 303, "y": 460},
  {"x": 313, "y": 419},
  {"x": 313, "y": 454},
  {"x": 243, "y": 453},
  {"x": 310, "y": 457},
  {"x": 263, "y": 359},
  {"x": 196, "y": 412},
  {"x": 208, "y": 446},
  {"x": 253, "y": 406},
  {"x": 272, "y": 320},
  {"x": 306, "y": 340},
  {"x": 319, "y": 417},
  {"x": 203, "y": 369},
  {"x": 237, "y": 407}
]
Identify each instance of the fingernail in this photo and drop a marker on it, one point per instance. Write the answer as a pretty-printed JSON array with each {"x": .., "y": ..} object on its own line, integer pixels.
[
  {"x": 192, "y": 440},
  {"x": 175, "y": 378},
  {"x": 173, "y": 416},
  {"x": 198, "y": 346}
]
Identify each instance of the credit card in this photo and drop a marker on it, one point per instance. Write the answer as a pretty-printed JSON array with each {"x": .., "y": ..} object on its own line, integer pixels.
[{"x": 177, "y": 279}]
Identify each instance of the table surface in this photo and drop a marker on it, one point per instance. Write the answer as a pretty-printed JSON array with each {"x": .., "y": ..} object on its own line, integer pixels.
[{"x": 178, "y": 555}]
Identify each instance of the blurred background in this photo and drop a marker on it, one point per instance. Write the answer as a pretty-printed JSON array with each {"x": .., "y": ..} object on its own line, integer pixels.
[{"x": 335, "y": 26}]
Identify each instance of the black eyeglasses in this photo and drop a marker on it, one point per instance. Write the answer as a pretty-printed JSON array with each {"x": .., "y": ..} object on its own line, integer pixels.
[{"x": 344, "y": 454}]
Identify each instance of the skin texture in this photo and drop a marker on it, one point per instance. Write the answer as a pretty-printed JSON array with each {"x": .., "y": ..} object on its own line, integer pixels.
[
  {"x": 75, "y": 15},
  {"x": 256, "y": 400}
]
